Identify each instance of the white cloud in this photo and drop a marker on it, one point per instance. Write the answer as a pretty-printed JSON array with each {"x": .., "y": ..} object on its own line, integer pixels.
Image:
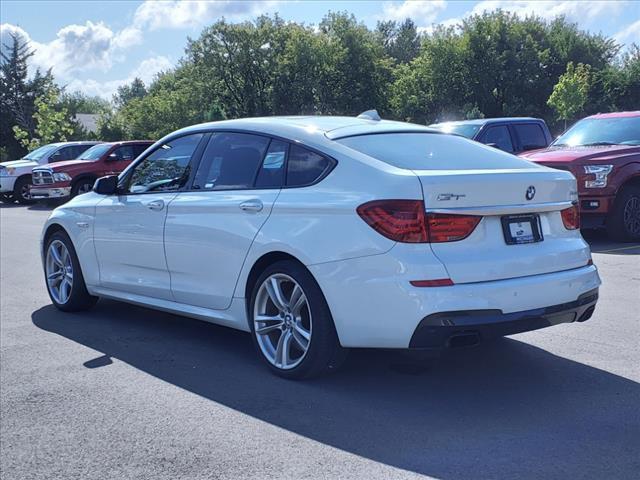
[
  {"x": 630, "y": 34},
  {"x": 155, "y": 15},
  {"x": 583, "y": 11},
  {"x": 422, "y": 12},
  {"x": 146, "y": 71}
]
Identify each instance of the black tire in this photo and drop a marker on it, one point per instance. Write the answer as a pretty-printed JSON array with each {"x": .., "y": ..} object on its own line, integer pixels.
[
  {"x": 6, "y": 198},
  {"x": 78, "y": 186},
  {"x": 79, "y": 298},
  {"x": 21, "y": 190},
  {"x": 324, "y": 353},
  {"x": 623, "y": 222}
]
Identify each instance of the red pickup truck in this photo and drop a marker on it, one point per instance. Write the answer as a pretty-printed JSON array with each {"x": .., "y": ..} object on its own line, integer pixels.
[
  {"x": 603, "y": 153},
  {"x": 64, "y": 180}
]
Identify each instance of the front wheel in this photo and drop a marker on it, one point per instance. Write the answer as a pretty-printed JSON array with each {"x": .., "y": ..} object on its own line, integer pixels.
[
  {"x": 623, "y": 223},
  {"x": 65, "y": 283},
  {"x": 82, "y": 186},
  {"x": 291, "y": 323},
  {"x": 22, "y": 190}
]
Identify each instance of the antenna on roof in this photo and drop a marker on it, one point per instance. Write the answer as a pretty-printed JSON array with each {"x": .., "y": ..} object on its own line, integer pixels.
[{"x": 370, "y": 115}]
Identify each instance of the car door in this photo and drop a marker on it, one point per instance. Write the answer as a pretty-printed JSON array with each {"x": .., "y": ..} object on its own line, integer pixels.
[
  {"x": 129, "y": 226},
  {"x": 210, "y": 228}
]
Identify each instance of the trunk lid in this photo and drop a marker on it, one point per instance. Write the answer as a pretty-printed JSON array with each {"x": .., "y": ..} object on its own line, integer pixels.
[{"x": 493, "y": 194}]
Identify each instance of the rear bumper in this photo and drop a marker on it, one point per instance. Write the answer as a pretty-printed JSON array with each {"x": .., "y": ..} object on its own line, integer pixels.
[
  {"x": 50, "y": 192},
  {"x": 441, "y": 330}
]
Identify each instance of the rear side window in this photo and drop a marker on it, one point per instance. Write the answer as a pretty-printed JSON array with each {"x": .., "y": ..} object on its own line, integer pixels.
[
  {"x": 499, "y": 135},
  {"x": 271, "y": 174},
  {"x": 230, "y": 161},
  {"x": 305, "y": 167},
  {"x": 531, "y": 136}
]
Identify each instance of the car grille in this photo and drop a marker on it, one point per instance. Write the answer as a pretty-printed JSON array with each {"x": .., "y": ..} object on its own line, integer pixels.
[{"x": 41, "y": 177}]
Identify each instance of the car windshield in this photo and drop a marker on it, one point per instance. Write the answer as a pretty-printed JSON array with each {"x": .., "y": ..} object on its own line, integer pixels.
[
  {"x": 465, "y": 129},
  {"x": 41, "y": 152},
  {"x": 95, "y": 152},
  {"x": 602, "y": 131}
]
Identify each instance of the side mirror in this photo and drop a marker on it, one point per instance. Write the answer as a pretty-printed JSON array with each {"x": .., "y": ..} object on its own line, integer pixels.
[{"x": 106, "y": 185}]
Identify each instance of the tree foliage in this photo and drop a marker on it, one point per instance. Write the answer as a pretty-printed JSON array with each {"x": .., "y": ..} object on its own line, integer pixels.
[{"x": 570, "y": 94}]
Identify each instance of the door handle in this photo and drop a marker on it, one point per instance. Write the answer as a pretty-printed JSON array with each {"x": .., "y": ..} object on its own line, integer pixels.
[
  {"x": 251, "y": 206},
  {"x": 156, "y": 205}
]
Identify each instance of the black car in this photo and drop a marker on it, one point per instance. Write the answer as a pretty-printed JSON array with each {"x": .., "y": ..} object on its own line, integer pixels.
[{"x": 511, "y": 134}]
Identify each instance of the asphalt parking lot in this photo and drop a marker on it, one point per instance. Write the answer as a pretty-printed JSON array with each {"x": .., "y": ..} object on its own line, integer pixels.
[{"x": 124, "y": 392}]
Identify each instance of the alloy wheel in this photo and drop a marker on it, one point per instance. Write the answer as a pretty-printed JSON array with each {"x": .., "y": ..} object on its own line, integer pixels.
[
  {"x": 282, "y": 321},
  {"x": 25, "y": 191},
  {"x": 84, "y": 188},
  {"x": 59, "y": 271},
  {"x": 631, "y": 215}
]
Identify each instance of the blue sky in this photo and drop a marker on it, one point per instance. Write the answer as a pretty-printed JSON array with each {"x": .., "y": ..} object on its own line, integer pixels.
[{"x": 95, "y": 46}]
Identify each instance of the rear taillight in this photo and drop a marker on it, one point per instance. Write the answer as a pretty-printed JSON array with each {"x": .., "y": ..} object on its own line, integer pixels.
[
  {"x": 571, "y": 218},
  {"x": 398, "y": 220},
  {"x": 406, "y": 221},
  {"x": 450, "y": 228}
]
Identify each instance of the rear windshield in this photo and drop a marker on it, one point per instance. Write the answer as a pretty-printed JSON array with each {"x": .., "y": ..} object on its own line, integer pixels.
[
  {"x": 432, "y": 151},
  {"x": 465, "y": 129}
]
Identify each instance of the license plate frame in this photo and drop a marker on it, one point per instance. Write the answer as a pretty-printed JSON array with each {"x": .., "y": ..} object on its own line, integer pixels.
[{"x": 521, "y": 229}]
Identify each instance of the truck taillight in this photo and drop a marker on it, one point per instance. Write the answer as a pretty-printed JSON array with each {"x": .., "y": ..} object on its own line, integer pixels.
[
  {"x": 571, "y": 218},
  {"x": 406, "y": 221}
]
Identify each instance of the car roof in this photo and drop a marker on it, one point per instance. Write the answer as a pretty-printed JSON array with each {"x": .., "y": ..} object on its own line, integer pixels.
[
  {"x": 67, "y": 144},
  {"x": 307, "y": 127},
  {"x": 616, "y": 115},
  {"x": 485, "y": 121}
]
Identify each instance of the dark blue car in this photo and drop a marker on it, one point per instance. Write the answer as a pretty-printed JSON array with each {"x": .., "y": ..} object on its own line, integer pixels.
[{"x": 511, "y": 134}]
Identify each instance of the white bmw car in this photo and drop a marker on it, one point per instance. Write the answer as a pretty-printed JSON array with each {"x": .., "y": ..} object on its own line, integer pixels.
[{"x": 318, "y": 234}]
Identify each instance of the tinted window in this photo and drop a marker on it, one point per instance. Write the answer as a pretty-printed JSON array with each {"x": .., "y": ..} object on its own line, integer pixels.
[
  {"x": 271, "y": 174},
  {"x": 125, "y": 152},
  {"x": 500, "y": 136},
  {"x": 138, "y": 149},
  {"x": 531, "y": 136},
  {"x": 65, "y": 153},
  {"x": 230, "y": 161},
  {"x": 304, "y": 166},
  {"x": 431, "y": 151},
  {"x": 166, "y": 168}
]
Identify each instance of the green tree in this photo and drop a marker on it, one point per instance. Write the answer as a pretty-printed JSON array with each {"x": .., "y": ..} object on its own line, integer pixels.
[
  {"x": 400, "y": 41},
  {"x": 52, "y": 123},
  {"x": 126, "y": 93},
  {"x": 570, "y": 94}
]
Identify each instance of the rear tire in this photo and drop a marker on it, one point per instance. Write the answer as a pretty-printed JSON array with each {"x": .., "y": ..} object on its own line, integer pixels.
[
  {"x": 83, "y": 185},
  {"x": 22, "y": 190},
  {"x": 623, "y": 222},
  {"x": 296, "y": 338},
  {"x": 63, "y": 276}
]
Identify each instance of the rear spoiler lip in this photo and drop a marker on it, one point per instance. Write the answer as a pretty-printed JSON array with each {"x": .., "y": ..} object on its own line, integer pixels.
[{"x": 504, "y": 209}]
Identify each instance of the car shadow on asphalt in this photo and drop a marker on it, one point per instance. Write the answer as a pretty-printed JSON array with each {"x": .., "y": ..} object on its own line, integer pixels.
[
  {"x": 501, "y": 410},
  {"x": 600, "y": 243}
]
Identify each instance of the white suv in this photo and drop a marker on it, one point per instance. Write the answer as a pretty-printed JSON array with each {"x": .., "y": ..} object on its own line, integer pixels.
[
  {"x": 15, "y": 176},
  {"x": 321, "y": 233}
]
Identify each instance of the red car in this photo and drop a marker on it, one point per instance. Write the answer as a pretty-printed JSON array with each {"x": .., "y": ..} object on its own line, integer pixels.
[
  {"x": 63, "y": 180},
  {"x": 603, "y": 153}
]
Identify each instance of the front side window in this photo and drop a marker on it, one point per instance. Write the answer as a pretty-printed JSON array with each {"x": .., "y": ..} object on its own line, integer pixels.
[
  {"x": 500, "y": 137},
  {"x": 65, "y": 153},
  {"x": 166, "y": 168},
  {"x": 125, "y": 153},
  {"x": 230, "y": 161},
  {"x": 531, "y": 136},
  {"x": 305, "y": 167}
]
